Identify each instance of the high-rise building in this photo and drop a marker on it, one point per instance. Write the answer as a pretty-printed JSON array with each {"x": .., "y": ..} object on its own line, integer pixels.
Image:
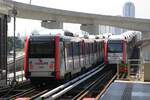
[{"x": 129, "y": 10}]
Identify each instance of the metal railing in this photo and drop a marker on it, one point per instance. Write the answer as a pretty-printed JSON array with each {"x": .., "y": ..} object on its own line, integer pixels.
[
  {"x": 19, "y": 77},
  {"x": 136, "y": 69}
]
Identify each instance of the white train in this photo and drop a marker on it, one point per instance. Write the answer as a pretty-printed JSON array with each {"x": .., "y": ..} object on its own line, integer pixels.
[
  {"x": 59, "y": 57},
  {"x": 118, "y": 48}
]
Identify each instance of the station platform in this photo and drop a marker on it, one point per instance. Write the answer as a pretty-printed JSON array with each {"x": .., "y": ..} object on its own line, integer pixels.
[{"x": 126, "y": 90}]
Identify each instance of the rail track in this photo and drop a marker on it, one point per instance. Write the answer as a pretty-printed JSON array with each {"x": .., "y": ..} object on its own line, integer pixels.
[
  {"x": 63, "y": 89},
  {"x": 94, "y": 81},
  {"x": 6, "y": 93},
  {"x": 78, "y": 88},
  {"x": 11, "y": 87},
  {"x": 24, "y": 90},
  {"x": 35, "y": 93},
  {"x": 91, "y": 88}
]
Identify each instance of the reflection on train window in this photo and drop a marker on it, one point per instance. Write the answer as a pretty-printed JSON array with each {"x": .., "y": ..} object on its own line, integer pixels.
[
  {"x": 76, "y": 47},
  {"x": 42, "y": 49},
  {"x": 115, "y": 47}
]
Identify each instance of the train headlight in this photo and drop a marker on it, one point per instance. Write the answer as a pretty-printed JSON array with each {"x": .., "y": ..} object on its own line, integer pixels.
[{"x": 120, "y": 57}]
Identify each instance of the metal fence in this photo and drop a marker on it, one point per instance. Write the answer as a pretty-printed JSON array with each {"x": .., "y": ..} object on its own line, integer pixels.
[
  {"x": 10, "y": 74},
  {"x": 19, "y": 77},
  {"x": 136, "y": 69}
]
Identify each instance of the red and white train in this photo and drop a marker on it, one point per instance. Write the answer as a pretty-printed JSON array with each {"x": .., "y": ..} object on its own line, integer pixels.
[
  {"x": 118, "y": 48},
  {"x": 59, "y": 57}
]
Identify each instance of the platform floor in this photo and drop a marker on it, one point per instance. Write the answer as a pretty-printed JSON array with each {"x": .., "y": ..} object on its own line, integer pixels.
[{"x": 127, "y": 91}]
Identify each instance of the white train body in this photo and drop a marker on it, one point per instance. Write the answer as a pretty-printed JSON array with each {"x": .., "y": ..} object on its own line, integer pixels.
[{"x": 118, "y": 48}]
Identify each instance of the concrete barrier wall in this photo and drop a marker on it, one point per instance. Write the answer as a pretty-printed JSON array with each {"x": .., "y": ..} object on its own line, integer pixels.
[{"x": 147, "y": 71}]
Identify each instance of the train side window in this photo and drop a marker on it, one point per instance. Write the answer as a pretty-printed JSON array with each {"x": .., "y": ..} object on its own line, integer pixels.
[
  {"x": 86, "y": 49},
  {"x": 69, "y": 49},
  {"x": 95, "y": 47},
  {"x": 82, "y": 48},
  {"x": 76, "y": 48},
  {"x": 99, "y": 47},
  {"x": 91, "y": 48}
]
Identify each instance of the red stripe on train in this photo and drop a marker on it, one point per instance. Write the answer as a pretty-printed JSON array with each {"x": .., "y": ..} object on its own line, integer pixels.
[
  {"x": 105, "y": 52},
  {"x": 57, "y": 57},
  {"x": 124, "y": 52},
  {"x": 26, "y": 57}
]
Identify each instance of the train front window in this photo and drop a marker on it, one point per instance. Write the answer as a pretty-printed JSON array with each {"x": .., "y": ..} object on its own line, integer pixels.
[
  {"x": 115, "y": 47},
  {"x": 42, "y": 49}
]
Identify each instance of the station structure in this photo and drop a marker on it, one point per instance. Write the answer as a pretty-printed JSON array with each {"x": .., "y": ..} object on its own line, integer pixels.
[{"x": 54, "y": 19}]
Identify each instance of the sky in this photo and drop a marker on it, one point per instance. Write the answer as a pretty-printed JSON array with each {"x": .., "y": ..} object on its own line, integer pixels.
[{"x": 104, "y": 7}]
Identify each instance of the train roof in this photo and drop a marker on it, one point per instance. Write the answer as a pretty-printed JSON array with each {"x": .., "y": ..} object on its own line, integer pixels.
[
  {"x": 47, "y": 34},
  {"x": 107, "y": 35},
  {"x": 65, "y": 38},
  {"x": 116, "y": 37},
  {"x": 54, "y": 32},
  {"x": 126, "y": 36}
]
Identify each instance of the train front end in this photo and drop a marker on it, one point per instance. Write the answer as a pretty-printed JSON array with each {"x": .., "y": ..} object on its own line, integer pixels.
[
  {"x": 115, "y": 51},
  {"x": 42, "y": 58}
]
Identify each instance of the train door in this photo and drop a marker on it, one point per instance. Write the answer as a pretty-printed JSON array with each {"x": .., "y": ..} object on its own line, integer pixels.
[
  {"x": 102, "y": 51},
  {"x": 76, "y": 58},
  {"x": 68, "y": 56},
  {"x": 99, "y": 52},
  {"x": 87, "y": 54},
  {"x": 91, "y": 53},
  {"x": 95, "y": 52},
  {"x": 82, "y": 57}
]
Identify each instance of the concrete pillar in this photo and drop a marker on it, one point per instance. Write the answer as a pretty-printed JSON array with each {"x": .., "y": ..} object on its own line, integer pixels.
[
  {"x": 92, "y": 29},
  {"x": 3, "y": 49}
]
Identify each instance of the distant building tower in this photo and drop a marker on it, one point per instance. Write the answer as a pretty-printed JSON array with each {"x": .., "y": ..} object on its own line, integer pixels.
[{"x": 129, "y": 10}]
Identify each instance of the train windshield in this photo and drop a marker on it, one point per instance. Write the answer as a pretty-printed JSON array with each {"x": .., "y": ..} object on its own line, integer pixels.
[
  {"x": 115, "y": 47},
  {"x": 42, "y": 49}
]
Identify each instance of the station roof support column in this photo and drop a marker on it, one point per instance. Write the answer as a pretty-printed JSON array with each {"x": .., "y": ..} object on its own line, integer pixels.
[{"x": 3, "y": 50}]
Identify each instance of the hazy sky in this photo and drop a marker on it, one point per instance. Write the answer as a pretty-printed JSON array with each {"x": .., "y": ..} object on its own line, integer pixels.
[{"x": 104, "y": 7}]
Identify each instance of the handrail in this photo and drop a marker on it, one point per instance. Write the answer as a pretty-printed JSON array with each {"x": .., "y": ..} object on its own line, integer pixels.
[{"x": 138, "y": 65}]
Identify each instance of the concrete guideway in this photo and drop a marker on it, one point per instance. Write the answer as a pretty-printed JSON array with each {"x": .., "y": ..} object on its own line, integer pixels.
[
  {"x": 127, "y": 91},
  {"x": 43, "y": 13}
]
